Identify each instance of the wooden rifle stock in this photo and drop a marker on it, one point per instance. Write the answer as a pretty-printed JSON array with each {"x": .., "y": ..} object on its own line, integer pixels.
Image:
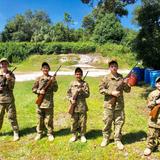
[
  {"x": 154, "y": 111},
  {"x": 73, "y": 105},
  {"x": 45, "y": 88}
]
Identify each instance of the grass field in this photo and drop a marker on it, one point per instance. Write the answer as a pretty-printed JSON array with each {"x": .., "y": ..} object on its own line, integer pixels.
[
  {"x": 134, "y": 130},
  {"x": 33, "y": 63}
]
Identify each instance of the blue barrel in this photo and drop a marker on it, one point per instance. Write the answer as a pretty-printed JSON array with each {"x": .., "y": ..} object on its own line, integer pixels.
[
  {"x": 147, "y": 75},
  {"x": 142, "y": 74},
  {"x": 137, "y": 71},
  {"x": 153, "y": 75}
]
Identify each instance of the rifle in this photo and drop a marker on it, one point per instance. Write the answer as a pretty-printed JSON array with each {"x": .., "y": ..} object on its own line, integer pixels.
[
  {"x": 114, "y": 98},
  {"x": 3, "y": 82},
  {"x": 73, "y": 105},
  {"x": 45, "y": 88},
  {"x": 154, "y": 111}
]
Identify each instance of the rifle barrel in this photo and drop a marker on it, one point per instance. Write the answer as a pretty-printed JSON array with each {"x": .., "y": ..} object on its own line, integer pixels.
[
  {"x": 57, "y": 70},
  {"x": 85, "y": 75}
]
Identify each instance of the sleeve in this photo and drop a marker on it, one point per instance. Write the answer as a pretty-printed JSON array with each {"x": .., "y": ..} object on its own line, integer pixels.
[
  {"x": 11, "y": 82},
  {"x": 69, "y": 92},
  {"x": 85, "y": 93},
  {"x": 55, "y": 86},
  {"x": 103, "y": 87},
  {"x": 151, "y": 101},
  {"x": 126, "y": 88},
  {"x": 35, "y": 86}
]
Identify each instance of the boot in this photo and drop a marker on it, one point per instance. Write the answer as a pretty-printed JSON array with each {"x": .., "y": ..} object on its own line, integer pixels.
[
  {"x": 147, "y": 151},
  {"x": 38, "y": 137},
  {"x": 73, "y": 138},
  {"x": 15, "y": 136},
  {"x": 119, "y": 144},
  {"x": 83, "y": 139},
  {"x": 50, "y": 137},
  {"x": 105, "y": 141}
]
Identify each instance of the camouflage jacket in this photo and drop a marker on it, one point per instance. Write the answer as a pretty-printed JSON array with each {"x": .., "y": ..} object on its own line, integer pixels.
[
  {"x": 48, "y": 98},
  {"x": 111, "y": 83},
  {"x": 151, "y": 102},
  {"x": 81, "y": 105},
  {"x": 6, "y": 91}
]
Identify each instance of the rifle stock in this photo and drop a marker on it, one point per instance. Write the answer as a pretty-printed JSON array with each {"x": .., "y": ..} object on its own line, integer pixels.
[
  {"x": 45, "y": 88},
  {"x": 73, "y": 105},
  {"x": 154, "y": 111}
]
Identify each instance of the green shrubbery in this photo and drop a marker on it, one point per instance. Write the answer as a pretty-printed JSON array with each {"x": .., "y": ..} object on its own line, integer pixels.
[
  {"x": 18, "y": 51},
  {"x": 122, "y": 53}
]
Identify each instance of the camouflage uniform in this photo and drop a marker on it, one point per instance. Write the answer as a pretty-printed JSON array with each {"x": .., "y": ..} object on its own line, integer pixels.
[
  {"x": 153, "y": 138},
  {"x": 113, "y": 112},
  {"x": 79, "y": 118},
  {"x": 45, "y": 110},
  {"x": 7, "y": 102}
]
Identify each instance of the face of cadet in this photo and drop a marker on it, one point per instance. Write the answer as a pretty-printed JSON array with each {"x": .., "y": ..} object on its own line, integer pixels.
[
  {"x": 113, "y": 68},
  {"x": 158, "y": 85},
  {"x": 45, "y": 70},
  {"x": 4, "y": 66},
  {"x": 78, "y": 76}
]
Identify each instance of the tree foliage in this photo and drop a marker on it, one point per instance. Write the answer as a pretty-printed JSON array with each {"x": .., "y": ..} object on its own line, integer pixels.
[
  {"x": 109, "y": 29},
  {"x": 22, "y": 27},
  {"x": 148, "y": 38}
]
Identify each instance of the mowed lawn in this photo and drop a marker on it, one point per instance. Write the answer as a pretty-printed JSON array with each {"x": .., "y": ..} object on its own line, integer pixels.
[{"x": 134, "y": 130}]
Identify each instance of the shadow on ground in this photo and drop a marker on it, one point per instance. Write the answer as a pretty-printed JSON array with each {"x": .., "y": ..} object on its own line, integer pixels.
[{"x": 133, "y": 137}]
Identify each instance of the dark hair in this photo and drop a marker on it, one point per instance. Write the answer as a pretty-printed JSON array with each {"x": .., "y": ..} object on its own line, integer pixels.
[
  {"x": 78, "y": 69},
  {"x": 45, "y": 64},
  {"x": 112, "y": 62}
]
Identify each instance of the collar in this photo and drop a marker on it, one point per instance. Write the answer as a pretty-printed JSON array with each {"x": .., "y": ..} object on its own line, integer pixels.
[{"x": 111, "y": 76}]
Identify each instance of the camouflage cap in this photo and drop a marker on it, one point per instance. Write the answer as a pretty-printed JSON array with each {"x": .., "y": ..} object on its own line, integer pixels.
[
  {"x": 157, "y": 79},
  {"x": 4, "y": 59},
  {"x": 112, "y": 61},
  {"x": 45, "y": 64}
]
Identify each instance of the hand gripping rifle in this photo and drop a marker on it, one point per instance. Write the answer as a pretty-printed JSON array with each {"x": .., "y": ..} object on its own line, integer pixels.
[
  {"x": 114, "y": 98},
  {"x": 45, "y": 88},
  {"x": 73, "y": 105},
  {"x": 3, "y": 82}
]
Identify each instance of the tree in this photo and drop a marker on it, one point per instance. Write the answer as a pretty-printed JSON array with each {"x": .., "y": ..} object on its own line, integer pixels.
[
  {"x": 68, "y": 19},
  {"x": 88, "y": 25},
  {"x": 22, "y": 27},
  {"x": 109, "y": 29},
  {"x": 111, "y": 6},
  {"x": 148, "y": 39}
]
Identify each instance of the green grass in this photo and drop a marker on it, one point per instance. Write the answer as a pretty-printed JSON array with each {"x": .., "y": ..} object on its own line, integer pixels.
[
  {"x": 134, "y": 130},
  {"x": 34, "y": 62}
]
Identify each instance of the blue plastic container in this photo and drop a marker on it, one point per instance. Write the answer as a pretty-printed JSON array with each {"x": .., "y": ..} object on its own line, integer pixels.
[
  {"x": 137, "y": 71},
  {"x": 153, "y": 75},
  {"x": 147, "y": 75},
  {"x": 142, "y": 74}
]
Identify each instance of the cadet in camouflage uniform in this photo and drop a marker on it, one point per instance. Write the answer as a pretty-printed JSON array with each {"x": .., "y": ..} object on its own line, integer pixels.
[
  {"x": 153, "y": 138},
  {"x": 7, "y": 102},
  {"x": 112, "y": 87},
  {"x": 79, "y": 117},
  {"x": 45, "y": 110}
]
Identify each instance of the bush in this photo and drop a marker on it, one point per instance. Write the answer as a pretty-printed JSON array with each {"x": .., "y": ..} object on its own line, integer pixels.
[{"x": 18, "y": 51}]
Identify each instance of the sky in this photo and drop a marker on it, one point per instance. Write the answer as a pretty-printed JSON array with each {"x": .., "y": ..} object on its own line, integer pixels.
[{"x": 55, "y": 9}]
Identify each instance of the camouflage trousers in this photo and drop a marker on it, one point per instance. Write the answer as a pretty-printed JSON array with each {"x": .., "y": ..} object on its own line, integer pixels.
[
  {"x": 45, "y": 119},
  {"x": 113, "y": 116},
  {"x": 78, "y": 123},
  {"x": 153, "y": 138},
  {"x": 11, "y": 110}
]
